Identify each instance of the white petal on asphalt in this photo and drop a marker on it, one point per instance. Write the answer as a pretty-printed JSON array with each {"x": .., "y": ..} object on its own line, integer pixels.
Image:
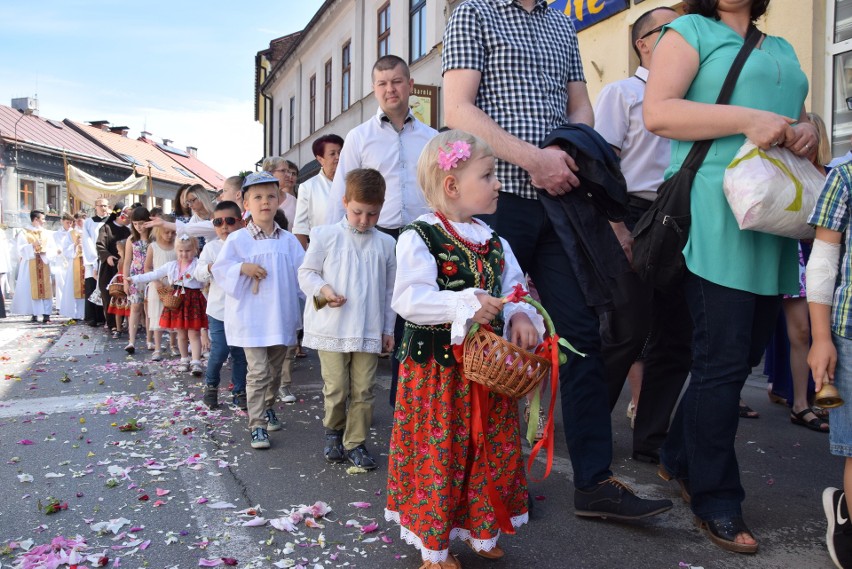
[
  {"x": 283, "y": 524},
  {"x": 255, "y": 522},
  {"x": 220, "y": 505},
  {"x": 113, "y": 525},
  {"x": 25, "y": 477}
]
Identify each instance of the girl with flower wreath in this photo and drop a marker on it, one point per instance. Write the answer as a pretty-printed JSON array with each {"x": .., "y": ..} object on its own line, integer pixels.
[
  {"x": 191, "y": 315},
  {"x": 450, "y": 474}
]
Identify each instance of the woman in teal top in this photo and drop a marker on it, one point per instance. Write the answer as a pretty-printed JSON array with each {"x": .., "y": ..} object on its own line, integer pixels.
[{"x": 734, "y": 277}]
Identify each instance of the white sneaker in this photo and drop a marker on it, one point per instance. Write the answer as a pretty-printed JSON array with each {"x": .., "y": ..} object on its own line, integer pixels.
[
  {"x": 183, "y": 366},
  {"x": 195, "y": 368},
  {"x": 156, "y": 356},
  {"x": 287, "y": 395}
]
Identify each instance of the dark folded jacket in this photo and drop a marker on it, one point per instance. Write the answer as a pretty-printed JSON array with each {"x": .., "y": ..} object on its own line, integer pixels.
[{"x": 581, "y": 217}]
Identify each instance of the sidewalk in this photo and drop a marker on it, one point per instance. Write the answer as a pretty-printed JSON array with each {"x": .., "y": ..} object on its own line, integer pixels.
[{"x": 186, "y": 489}]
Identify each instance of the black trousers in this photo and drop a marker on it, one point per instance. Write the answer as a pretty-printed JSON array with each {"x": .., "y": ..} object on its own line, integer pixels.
[
  {"x": 93, "y": 313},
  {"x": 398, "y": 329},
  {"x": 661, "y": 324}
]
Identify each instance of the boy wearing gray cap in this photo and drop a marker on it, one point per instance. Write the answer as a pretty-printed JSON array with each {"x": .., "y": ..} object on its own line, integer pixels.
[{"x": 257, "y": 268}]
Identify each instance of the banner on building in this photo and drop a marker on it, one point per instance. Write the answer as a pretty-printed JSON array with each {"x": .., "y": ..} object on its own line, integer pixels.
[
  {"x": 424, "y": 104},
  {"x": 87, "y": 188},
  {"x": 585, "y": 13}
]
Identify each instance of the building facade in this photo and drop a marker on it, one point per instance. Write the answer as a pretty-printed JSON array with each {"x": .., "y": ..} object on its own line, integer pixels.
[{"x": 317, "y": 81}]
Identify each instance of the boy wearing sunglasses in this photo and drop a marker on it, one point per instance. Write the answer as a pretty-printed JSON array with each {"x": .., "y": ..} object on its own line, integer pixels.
[{"x": 227, "y": 218}]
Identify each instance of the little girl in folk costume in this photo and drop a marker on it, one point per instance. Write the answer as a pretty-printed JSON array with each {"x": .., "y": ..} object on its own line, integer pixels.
[
  {"x": 133, "y": 264},
  {"x": 452, "y": 270},
  {"x": 191, "y": 316},
  {"x": 161, "y": 250}
]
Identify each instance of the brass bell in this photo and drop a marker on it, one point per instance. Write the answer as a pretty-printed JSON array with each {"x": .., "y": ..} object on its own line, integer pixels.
[
  {"x": 828, "y": 397},
  {"x": 320, "y": 302}
]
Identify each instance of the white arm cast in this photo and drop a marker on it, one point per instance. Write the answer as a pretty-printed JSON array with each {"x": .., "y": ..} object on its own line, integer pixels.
[{"x": 821, "y": 272}]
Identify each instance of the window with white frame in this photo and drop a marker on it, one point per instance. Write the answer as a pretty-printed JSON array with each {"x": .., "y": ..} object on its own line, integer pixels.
[
  {"x": 346, "y": 59},
  {"x": 839, "y": 62},
  {"x": 418, "y": 30},
  {"x": 292, "y": 122},
  {"x": 312, "y": 118},
  {"x": 326, "y": 102},
  {"x": 383, "y": 29}
]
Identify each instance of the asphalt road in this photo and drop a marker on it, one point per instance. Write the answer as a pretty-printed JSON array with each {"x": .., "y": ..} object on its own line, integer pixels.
[{"x": 186, "y": 489}]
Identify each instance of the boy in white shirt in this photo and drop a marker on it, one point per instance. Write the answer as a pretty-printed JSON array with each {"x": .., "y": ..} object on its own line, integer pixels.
[
  {"x": 227, "y": 218},
  {"x": 257, "y": 269},
  {"x": 351, "y": 267}
]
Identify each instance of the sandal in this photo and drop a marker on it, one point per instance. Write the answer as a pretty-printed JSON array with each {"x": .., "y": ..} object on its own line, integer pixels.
[
  {"x": 115, "y": 334},
  {"x": 724, "y": 531},
  {"x": 664, "y": 473},
  {"x": 815, "y": 424},
  {"x": 130, "y": 348},
  {"x": 775, "y": 398},
  {"x": 495, "y": 553},
  {"x": 747, "y": 412}
]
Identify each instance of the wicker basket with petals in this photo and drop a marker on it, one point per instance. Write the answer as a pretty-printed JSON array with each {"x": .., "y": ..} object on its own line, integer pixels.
[
  {"x": 501, "y": 366},
  {"x": 115, "y": 288},
  {"x": 168, "y": 297}
]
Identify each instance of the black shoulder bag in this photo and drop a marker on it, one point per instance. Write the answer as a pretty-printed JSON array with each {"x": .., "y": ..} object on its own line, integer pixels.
[{"x": 661, "y": 233}]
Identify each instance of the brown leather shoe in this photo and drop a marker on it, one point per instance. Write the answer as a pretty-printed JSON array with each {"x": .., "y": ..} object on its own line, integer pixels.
[{"x": 493, "y": 554}]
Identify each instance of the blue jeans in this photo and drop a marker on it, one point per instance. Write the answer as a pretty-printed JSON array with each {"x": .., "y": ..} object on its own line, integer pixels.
[
  {"x": 584, "y": 392},
  {"x": 219, "y": 350},
  {"x": 840, "y": 436},
  {"x": 731, "y": 329}
]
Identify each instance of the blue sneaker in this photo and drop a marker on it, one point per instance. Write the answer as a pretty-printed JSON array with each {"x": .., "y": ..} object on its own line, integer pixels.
[
  {"x": 259, "y": 438},
  {"x": 272, "y": 422}
]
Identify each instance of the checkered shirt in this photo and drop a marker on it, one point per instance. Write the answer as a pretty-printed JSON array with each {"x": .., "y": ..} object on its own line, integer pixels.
[
  {"x": 832, "y": 212},
  {"x": 257, "y": 233},
  {"x": 526, "y": 60}
]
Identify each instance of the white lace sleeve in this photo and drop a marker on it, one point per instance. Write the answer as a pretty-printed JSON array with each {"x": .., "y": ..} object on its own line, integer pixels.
[
  {"x": 467, "y": 306},
  {"x": 416, "y": 296}
]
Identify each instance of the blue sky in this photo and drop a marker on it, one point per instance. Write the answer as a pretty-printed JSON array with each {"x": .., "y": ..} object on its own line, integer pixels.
[{"x": 181, "y": 70}]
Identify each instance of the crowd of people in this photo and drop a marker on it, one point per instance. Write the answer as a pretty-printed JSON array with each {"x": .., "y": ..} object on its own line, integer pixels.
[{"x": 400, "y": 245}]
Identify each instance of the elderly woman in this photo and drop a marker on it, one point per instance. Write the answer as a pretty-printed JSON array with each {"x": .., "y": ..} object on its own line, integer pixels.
[
  {"x": 287, "y": 174},
  {"x": 734, "y": 277}
]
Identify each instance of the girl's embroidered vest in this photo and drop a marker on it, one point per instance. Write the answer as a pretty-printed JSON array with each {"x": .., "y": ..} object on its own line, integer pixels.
[{"x": 458, "y": 268}]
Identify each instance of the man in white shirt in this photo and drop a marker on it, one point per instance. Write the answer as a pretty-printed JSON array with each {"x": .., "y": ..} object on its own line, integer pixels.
[
  {"x": 94, "y": 314},
  {"x": 643, "y": 313},
  {"x": 390, "y": 142},
  {"x": 312, "y": 202}
]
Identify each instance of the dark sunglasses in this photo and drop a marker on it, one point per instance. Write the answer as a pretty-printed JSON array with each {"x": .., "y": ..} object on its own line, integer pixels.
[
  {"x": 652, "y": 32},
  {"x": 219, "y": 221}
]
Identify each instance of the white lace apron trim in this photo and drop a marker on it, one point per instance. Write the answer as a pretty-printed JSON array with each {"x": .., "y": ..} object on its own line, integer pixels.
[{"x": 456, "y": 533}]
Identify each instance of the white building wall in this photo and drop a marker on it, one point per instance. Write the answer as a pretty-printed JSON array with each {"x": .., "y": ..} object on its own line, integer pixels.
[{"x": 355, "y": 21}]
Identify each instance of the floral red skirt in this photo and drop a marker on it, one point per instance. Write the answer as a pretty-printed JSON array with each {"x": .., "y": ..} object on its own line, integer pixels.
[
  {"x": 118, "y": 306},
  {"x": 437, "y": 475},
  {"x": 190, "y": 315}
]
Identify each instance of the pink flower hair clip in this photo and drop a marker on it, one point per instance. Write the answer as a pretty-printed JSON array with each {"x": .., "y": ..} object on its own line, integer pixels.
[{"x": 449, "y": 158}]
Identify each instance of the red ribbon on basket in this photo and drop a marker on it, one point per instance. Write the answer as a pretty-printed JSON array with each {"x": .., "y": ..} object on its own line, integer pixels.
[{"x": 550, "y": 348}]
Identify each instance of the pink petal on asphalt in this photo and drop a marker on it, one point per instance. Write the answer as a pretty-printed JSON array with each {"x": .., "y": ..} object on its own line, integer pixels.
[
  {"x": 25, "y": 442},
  {"x": 370, "y": 528},
  {"x": 360, "y": 504}
]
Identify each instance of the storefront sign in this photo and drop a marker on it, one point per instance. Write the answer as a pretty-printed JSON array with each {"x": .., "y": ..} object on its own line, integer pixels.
[
  {"x": 424, "y": 104},
  {"x": 585, "y": 13}
]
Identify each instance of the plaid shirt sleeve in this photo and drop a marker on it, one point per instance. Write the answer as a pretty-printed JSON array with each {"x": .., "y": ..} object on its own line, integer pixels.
[
  {"x": 832, "y": 207},
  {"x": 463, "y": 43}
]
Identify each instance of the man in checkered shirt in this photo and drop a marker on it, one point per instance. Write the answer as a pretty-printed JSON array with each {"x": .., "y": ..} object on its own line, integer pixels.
[{"x": 512, "y": 73}]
